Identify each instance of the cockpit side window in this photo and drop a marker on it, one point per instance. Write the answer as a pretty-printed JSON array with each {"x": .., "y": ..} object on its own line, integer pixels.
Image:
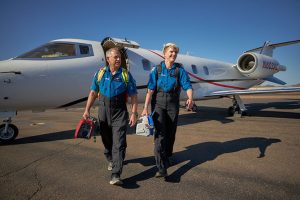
[
  {"x": 84, "y": 49},
  {"x": 52, "y": 50}
]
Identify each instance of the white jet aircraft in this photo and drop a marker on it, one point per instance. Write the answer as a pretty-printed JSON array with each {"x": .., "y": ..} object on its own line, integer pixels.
[{"x": 59, "y": 73}]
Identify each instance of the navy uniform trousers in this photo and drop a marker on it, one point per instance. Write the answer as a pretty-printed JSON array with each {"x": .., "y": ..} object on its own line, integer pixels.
[
  {"x": 113, "y": 120},
  {"x": 165, "y": 119}
]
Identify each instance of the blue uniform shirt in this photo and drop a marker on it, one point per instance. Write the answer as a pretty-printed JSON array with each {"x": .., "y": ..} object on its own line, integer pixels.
[
  {"x": 167, "y": 80},
  {"x": 111, "y": 86}
]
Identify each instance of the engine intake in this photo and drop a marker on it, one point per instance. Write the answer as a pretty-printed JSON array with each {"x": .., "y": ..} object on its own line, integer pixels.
[{"x": 255, "y": 65}]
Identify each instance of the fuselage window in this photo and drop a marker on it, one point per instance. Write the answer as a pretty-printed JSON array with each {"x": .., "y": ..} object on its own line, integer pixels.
[
  {"x": 84, "y": 50},
  {"x": 52, "y": 50},
  {"x": 205, "y": 69},
  {"x": 194, "y": 68},
  {"x": 146, "y": 64}
]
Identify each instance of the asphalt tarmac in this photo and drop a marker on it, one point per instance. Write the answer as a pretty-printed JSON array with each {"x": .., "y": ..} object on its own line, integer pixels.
[{"x": 215, "y": 156}]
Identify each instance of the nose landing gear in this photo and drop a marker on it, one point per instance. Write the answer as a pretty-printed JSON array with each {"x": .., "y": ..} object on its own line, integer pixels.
[{"x": 8, "y": 131}]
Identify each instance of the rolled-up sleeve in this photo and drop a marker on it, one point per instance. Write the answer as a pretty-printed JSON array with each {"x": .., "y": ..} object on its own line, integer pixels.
[
  {"x": 95, "y": 85},
  {"x": 131, "y": 85},
  {"x": 185, "y": 80},
  {"x": 152, "y": 80}
]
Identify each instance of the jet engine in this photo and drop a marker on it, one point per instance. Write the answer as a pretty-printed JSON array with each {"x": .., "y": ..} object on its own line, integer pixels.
[{"x": 254, "y": 65}]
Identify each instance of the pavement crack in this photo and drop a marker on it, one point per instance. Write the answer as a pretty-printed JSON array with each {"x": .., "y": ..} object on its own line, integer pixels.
[
  {"x": 39, "y": 185},
  {"x": 39, "y": 159}
]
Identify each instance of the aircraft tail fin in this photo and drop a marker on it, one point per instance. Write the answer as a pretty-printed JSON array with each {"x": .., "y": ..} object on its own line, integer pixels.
[{"x": 267, "y": 48}]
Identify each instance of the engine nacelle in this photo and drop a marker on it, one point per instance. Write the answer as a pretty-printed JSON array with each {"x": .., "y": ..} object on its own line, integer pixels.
[{"x": 257, "y": 66}]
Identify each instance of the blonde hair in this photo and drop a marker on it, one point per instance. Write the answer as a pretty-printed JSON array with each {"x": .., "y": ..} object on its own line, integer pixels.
[{"x": 170, "y": 45}]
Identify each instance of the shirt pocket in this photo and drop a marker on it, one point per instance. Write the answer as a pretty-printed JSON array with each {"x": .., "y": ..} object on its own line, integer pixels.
[
  {"x": 119, "y": 87},
  {"x": 162, "y": 82},
  {"x": 104, "y": 86}
]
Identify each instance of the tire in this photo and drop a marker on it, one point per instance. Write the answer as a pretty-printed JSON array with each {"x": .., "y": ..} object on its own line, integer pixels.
[
  {"x": 12, "y": 133},
  {"x": 231, "y": 111}
]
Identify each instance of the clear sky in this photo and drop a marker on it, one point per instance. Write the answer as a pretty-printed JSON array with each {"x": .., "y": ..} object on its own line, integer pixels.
[{"x": 214, "y": 29}]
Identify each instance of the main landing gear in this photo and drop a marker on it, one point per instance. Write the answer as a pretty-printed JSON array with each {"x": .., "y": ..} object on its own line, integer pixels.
[{"x": 238, "y": 106}]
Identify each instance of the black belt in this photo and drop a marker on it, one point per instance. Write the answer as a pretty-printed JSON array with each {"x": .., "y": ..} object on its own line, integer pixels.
[
  {"x": 171, "y": 92},
  {"x": 116, "y": 101}
]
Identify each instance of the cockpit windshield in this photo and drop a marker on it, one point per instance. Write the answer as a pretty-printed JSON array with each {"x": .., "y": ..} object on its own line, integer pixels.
[{"x": 51, "y": 50}]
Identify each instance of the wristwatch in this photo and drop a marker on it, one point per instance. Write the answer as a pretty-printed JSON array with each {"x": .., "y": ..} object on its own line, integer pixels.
[{"x": 135, "y": 113}]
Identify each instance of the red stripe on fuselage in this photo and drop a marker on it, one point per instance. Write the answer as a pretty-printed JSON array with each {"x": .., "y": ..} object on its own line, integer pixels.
[
  {"x": 156, "y": 53},
  {"x": 201, "y": 79},
  {"x": 214, "y": 83}
]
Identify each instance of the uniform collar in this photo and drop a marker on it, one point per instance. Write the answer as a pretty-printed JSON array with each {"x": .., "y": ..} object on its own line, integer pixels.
[
  {"x": 163, "y": 64},
  {"x": 118, "y": 71}
]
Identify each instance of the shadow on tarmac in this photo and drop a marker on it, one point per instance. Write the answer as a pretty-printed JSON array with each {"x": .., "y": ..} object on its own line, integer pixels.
[
  {"x": 62, "y": 135},
  {"x": 206, "y": 113},
  {"x": 195, "y": 155},
  {"x": 257, "y": 109}
]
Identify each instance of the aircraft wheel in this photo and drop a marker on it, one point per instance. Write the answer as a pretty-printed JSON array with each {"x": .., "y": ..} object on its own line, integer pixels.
[
  {"x": 244, "y": 113},
  {"x": 237, "y": 109},
  {"x": 10, "y": 135},
  {"x": 231, "y": 111}
]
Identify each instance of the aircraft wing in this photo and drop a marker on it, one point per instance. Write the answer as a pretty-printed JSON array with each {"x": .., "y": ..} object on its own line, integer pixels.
[{"x": 256, "y": 91}]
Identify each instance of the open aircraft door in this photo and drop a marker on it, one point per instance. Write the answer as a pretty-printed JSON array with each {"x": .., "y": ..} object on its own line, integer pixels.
[{"x": 122, "y": 44}]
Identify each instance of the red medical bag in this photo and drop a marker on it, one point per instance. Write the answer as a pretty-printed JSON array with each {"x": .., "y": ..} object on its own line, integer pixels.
[{"x": 85, "y": 128}]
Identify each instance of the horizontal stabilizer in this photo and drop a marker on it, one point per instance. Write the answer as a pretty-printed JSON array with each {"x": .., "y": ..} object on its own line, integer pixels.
[
  {"x": 274, "y": 80},
  {"x": 267, "y": 48},
  {"x": 256, "y": 91}
]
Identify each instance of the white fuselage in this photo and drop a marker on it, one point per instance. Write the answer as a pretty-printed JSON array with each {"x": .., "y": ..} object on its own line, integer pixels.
[{"x": 39, "y": 84}]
